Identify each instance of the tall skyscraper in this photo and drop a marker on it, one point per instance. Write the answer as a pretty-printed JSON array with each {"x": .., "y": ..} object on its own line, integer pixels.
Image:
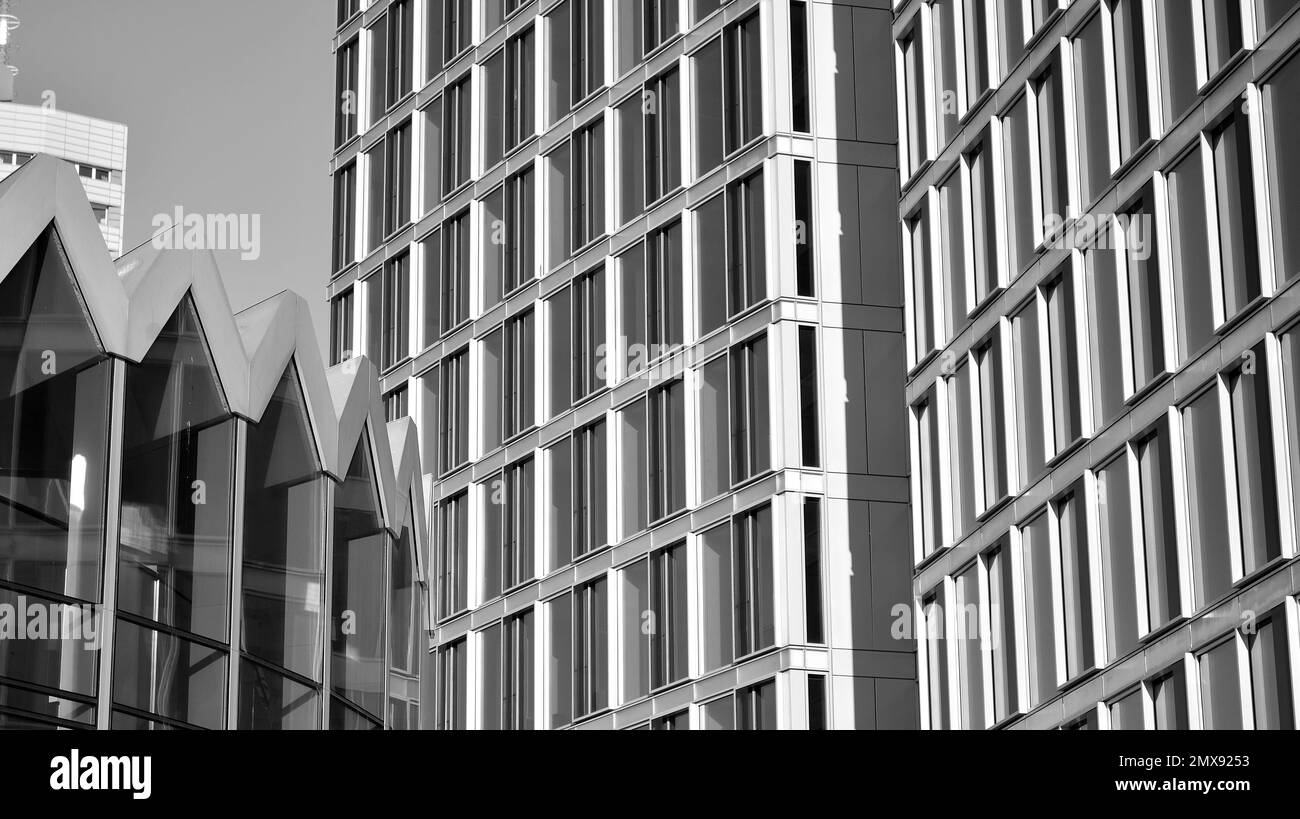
[
  {"x": 96, "y": 147},
  {"x": 634, "y": 269},
  {"x": 1101, "y": 222}
]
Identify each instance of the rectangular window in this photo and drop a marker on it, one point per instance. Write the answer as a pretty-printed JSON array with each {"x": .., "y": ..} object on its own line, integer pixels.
[
  {"x": 457, "y": 26},
  {"x": 517, "y": 385},
  {"x": 716, "y": 609},
  {"x": 961, "y": 451},
  {"x": 1126, "y": 713},
  {"x": 347, "y": 87},
  {"x": 667, "y": 449},
  {"x": 1159, "y": 538},
  {"x": 1002, "y": 635},
  {"x": 711, "y": 257},
  {"x": 1270, "y": 672},
  {"x": 750, "y": 406},
  {"x": 397, "y": 169},
  {"x": 1092, "y": 115},
  {"x": 951, "y": 264},
  {"x": 559, "y": 378},
  {"x": 936, "y": 658},
  {"x": 663, "y": 297},
  {"x": 980, "y": 187},
  {"x": 743, "y": 88},
  {"x": 916, "y": 149},
  {"x": 456, "y": 134},
  {"x": 378, "y": 90},
  {"x": 1145, "y": 293},
  {"x": 976, "y": 33},
  {"x": 814, "y": 618},
  {"x": 590, "y": 648},
  {"x": 1169, "y": 698},
  {"x": 943, "y": 45},
  {"x": 1053, "y": 167},
  {"x": 1128, "y": 20},
  {"x": 1017, "y": 187},
  {"x": 746, "y": 243},
  {"x": 345, "y": 216},
  {"x": 805, "y": 278},
  {"x": 588, "y": 333},
  {"x": 921, "y": 274},
  {"x": 397, "y": 298},
  {"x": 454, "y": 426},
  {"x": 756, "y": 707},
  {"x": 1190, "y": 255},
  {"x": 990, "y": 398},
  {"x": 1031, "y": 445},
  {"x": 654, "y": 622},
  {"x": 560, "y": 507},
  {"x": 1234, "y": 197},
  {"x": 800, "y": 96},
  {"x": 560, "y": 84},
  {"x": 562, "y": 203},
  {"x": 560, "y": 661},
  {"x": 1252, "y": 455},
  {"x": 970, "y": 652},
  {"x": 400, "y": 46},
  {"x": 634, "y": 461},
  {"x": 817, "y": 718},
  {"x": 588, "y": 195},
  {"x": 341, "y": 328},
  {"x": 374, "y": 317},
  {"x": 809, "y": 417},
  {"x": 588, "y": 41},
  {"x": 376, "y": 203},
  {"x": 1106, "y": 353},
  {"x": 1063, "y": 360},
  {"x": 1223, "y": 32},
  {"x": 518, "y": 265},
  {"x": 1221, "y": 693},
  {"x": 433, "y": 38},
  {"x": 495, "y": 384},
  {"x": 432, "y": 189},
  {"x": 1177, "y": 53},
  {"x": 494, "y": 109},
  {"x": 1291, "y": 405},
  {"x": 752, "y": 587},
  {"x": 1076, "y": 582},
  {"x": 1040, "y": 637},
  {"x": 659, "y": 22},
  {"x": 516, "y": 510},
  {"x": 1012, "y": 33},
  {"x": 1115, "y": 531},
  {"x": 455, "y": 272},
  {"x": 661, "y": 106},
  {"x": 710, "y": 115},
  {"x": 517, "y": 672},
  {"x": 929, "y": 490},
  {"x": 714, "y": 425},
  {"x": 1281, "y": 115},
  {"x": 453, "y": 539},
  {"x": 631, "y": 158},
  {"x": 520, "y": 68},
  {"x": 452, "y": 705},
  {"x": 590, "y": 489},
  {"x": 495, "y": 228},
  {"x": 1207, "y": 498}
]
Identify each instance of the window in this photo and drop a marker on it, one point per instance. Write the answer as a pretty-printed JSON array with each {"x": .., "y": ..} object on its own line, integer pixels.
[
  {"x": 970, "y": 653},
  {"x": 455, "y": 272},
  {"x": 452, "y": 707},
  {"x": 951, "y": 264},
  {"x": 374, "y": 317},
  {"x": 520, "y": 68},
  {"x": 341, "y": 328},
  {"x": 1190, "y": 252},
  {"x": 711, "y": 264},
  {"x": 1021, "y": 238},
  {"x": 716, "y": 608},
  {"x": 634, "y": 467},
  {"x": 1030, "y": 416},
  {"x": 563, "y": 202},
  {"x": 658, "y": 21},
  {"x": 714, "y": 426},
  {"x": 430, "y": 250},
  {"x": 396, "y": 295},
  {"x": 517, "y": 672},
  {"x": 453, "y": 555},
  {"x": 1127, "y": 18},
  {"x": 1221, "y": 694},
  {"x": 1127, "y": 713},
  {"x": 1040, "y": 637},
  {"x": 517, "y": 384},
  {"x": 508, "y": 523},
  {"x": 1252, "y": 455},
  {"x": 589, "y": 346},
  {"x": 347, "y": 8},
  {"x": 800, "y": 96},
  {"x": 976, "y": 32},
  {"x": 936, "y": 661},
  {"x": 710, "y": 114},
  {"x": 1223, "y": 32},
  {"x": 980, "y": 187},
  {"x": 1270, "y": 672},
  {"x": 943, "y": 45},
  {"x": 1002, "y": 634},
  {"x": 508, "y": 234},
  {"x": 1115, "y": 533},
  {"x": 400, "y": 46},
  {"x": 453, "y": 426},
  {"x": 814, "y": 619},
  {"x": 750, "y": 405},
  {"x": 345, "y": 216},
  {"x": 663, "y": 285},
  {"x": 1012, "y": 33},
  {"x": 1291, "y": 405},
  {"x": 347, "y": 87},
  {"x": 752, "y": 589},
  {"x": 1282, "y": 113},
  {"x": 376, "y": 203},
  {"x": 746, "y": 243},
  {"x": 667, "y": 455},
  {"x": 395, "y": 406},
  {"x": 928, "y": 510},
  {"x": 1063, "y": 361},
  {"x": 1207, "y": 498},
  {"x": 1159, "y": 538},
  {"x": 915, "y": 147},
  {"x": 1177, "y": 53},
  {"x": 560, "y": 660},
  {"x": 1145, "y": 294},
  {"x": 1091, "y": 111},
  {"x": 961, "y": 451},
  {"x": 590, "y": 487},
  {"x": 378, "y": 91},
  {"x": 921, "y": 274},
  {"x": 1106, "y": 352},
  {"x": 456, "y": 135},
  {"x": 743, "y": 97},
  {"x": 432, "y": 185},
  {"x": 1053, "y": 167},
  {"x": 756, "y": 707},
  {"x": 1076, "y": 581},
  {"x": 809, "y": 427},
  {"x": 434, "y": 39},
  {"x": 805, "y": 279},
  {"x": 590, "y": 648},
  {"x": 631, "y": 158},
  {"x": 661, "y": 107},
  {"x": 1234, "y": 197},
  {"x": 817, "y": 717},
  {"x": 588, "y": 195},
  {"x": 992, "y": 423},
  {"x": 654, "y": 622},
  {"x": 457, "y": 26},
  {"x": 577, "y": 52},
  {"x": 560, "y": 330},
  {"x": 495, "y": 101}
]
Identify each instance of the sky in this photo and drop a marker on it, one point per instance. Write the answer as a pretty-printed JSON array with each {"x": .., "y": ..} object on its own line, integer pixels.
[{"x": 228, "y": 106}]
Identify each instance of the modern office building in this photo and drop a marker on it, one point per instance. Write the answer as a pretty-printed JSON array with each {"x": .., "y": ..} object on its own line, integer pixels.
[
  {"x": 96, "y": 147},
  {"x": 634, "y": 269},
  {"x": 1100, "y": 218},
  {"x": 173, "y": 475}
]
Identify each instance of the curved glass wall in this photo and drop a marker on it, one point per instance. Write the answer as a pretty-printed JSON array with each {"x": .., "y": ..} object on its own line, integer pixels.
[
  {"x": 358, "y": 605},
  {"x": 54, "y": 406},
  {"x": 171, "y": 644},
  {"x": 283, "y": 568}
]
